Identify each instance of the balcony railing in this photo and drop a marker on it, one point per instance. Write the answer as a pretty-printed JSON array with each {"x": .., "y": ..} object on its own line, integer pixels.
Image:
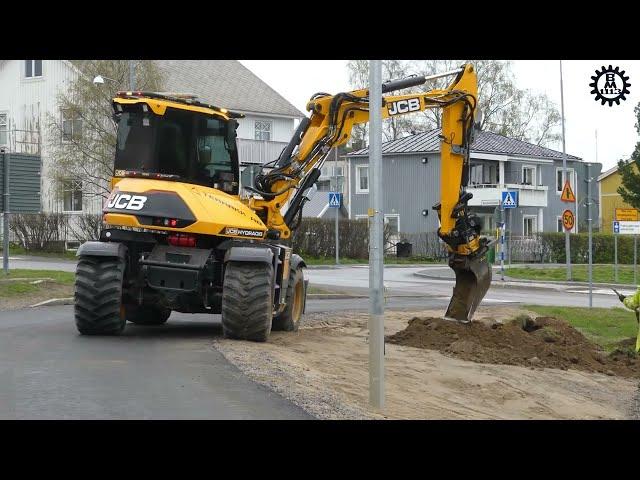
[
  {"x": 258, "y": 151},
  {"x": 488, "y": 195}
]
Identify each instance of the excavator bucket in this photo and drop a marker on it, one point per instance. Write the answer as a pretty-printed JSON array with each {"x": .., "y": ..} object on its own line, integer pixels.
[{"x": 473, "y": 279}]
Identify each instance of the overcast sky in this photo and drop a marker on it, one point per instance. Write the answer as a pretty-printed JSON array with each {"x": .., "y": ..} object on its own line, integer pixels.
[{"x": 297, "y": 80}]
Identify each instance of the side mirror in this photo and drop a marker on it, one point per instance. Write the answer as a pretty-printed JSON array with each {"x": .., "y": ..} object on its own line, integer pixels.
[{"x": 232, "y": 126}]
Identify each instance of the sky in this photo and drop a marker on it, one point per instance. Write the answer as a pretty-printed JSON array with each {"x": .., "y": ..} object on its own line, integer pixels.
[{"x": 297, "y": 80}]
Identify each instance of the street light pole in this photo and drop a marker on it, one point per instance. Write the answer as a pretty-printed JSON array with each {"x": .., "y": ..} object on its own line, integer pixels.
[
  {"x": 132, "y": 75},
  {"x": 376, "y": 272},
  {"x": 567, "y": 233}
]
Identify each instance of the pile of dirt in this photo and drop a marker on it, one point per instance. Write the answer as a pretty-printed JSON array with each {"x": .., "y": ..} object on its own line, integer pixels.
[{"x": 540, "y": 342}]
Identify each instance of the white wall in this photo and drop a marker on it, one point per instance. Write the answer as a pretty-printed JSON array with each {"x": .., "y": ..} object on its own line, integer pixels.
[
  {"x": 28, "y": 100},
  {"x": 281, "y": 128}
]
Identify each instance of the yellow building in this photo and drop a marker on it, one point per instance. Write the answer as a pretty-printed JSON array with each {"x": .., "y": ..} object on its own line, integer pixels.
[{"x": 610, "y": 199}]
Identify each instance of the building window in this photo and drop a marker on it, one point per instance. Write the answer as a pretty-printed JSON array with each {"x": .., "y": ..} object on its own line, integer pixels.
[
  {"x": 529, "y": 175},
  {"x": 489, "y": 175},
  {"x": 362, "y": 179},
  {"x": 488, "y": 224},
  {"x": 560, "y": 179},
  {"x": 4, "y": 129},
  {"x": 476, "y": 175},
  {"x": 560, "y": 228},
  {"x": 393, "y": 222},
  {"x": 71, "y": 126},
  {"x": 263, "y": 130},
  {"x": 32, "y": 68},
  {"x": 529, "y": 225},
  {"x": 72, "y": 195}
]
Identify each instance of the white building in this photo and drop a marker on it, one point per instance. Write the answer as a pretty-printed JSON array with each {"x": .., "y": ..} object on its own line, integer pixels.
[{"x": 28, "y": 91}]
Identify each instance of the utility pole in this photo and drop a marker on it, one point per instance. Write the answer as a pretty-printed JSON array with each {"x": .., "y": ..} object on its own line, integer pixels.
[
  {"x": 5, "y": 216},
  {"x": 376, "y": 266},
  {"x": 335, "y": 174},
  {"x": 567, "y": 233},
  {"x": 132, "y": 75},
  {"x": 589, "y": 202}
]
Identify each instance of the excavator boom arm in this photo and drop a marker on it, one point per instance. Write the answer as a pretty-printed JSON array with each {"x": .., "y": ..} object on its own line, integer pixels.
[{"x": 330, "y": 125}]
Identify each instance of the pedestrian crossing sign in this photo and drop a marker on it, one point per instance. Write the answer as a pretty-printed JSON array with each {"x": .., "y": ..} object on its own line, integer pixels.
[
  {"x": 335, "y": 199},
  {"x": 509, "y": 199}
]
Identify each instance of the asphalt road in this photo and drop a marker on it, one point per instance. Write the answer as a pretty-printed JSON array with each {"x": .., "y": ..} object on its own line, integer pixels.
[{"x": 49, "y": 371}]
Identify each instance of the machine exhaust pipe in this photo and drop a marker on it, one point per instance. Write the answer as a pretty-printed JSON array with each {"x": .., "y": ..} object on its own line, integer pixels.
[{"x": 473, "y": 279}]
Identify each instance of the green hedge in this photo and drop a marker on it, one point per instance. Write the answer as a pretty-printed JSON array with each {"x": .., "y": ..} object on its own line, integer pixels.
[{"x": 553, "y": 244}]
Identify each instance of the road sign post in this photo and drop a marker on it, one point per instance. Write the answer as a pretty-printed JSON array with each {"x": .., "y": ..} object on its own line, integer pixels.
[
  {"x": 615, "y": 254},
  {"x": 509, "y": 201},
  {"x": 335, "y": 201},
  {"x": 567, "y": 242}
]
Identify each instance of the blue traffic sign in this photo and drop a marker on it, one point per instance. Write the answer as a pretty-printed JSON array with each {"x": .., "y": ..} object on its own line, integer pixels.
[
  {"x": 616, "y": 227},
  {"x": 335, "y": 199},
  {"x": 510, "y": 199}
]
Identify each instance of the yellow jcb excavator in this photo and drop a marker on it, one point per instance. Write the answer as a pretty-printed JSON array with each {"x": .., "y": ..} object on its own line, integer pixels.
[{"x": 181, "y": 237}]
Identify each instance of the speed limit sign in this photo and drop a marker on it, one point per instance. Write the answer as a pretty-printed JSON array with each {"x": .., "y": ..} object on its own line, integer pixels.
[{"x": 568, "y": 220}]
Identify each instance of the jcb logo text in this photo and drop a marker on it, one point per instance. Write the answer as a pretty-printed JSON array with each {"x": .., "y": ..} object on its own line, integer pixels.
[
  {"x": 404, "y": 106},
  {"x": 127, "y": 202}
]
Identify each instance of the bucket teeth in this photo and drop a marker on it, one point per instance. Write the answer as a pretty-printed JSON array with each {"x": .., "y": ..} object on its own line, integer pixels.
[{"x": 473, "y": 279}]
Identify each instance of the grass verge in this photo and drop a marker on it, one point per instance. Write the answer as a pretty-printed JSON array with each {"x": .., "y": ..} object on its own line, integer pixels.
[
  {"x": 19, "y": 288},
  {"x": 579, "y": 273},
  {"x": 605, "y": 326}
]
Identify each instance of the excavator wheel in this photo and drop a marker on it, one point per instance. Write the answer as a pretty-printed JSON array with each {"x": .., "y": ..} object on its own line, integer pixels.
[
  {"x": 147, "y": 314},
  {"x": 98, "y": 307},
  {"x": 247, "y": 301},
  {"x": 289, "y": 319}
]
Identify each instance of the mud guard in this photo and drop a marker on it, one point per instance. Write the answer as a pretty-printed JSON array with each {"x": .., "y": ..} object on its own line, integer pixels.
[{"x": 102, "y": 249}]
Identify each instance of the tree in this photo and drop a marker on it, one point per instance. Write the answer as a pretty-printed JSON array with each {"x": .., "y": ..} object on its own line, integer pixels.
[
  {"x": 630, "y": 188},
  {"x": 507, "y": 110},
  {"x": 82, "y": 135}
]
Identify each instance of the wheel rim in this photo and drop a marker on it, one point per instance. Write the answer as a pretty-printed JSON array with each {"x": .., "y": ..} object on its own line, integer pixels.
[{"x": 298, "y": 300}]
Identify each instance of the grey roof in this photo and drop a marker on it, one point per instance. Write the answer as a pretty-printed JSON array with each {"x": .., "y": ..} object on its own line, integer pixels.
[
  {"x": 226, "y": 84},
  {"x": 314, "y": 207},
  {"x": 485, "y": 142}
]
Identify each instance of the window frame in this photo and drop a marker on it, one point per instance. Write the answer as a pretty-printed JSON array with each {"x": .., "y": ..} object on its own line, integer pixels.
[
  {"x": 534, "y": 175},
  {"x": 73, "y": 181},
  {"x": 33, "y": 75},
  {"x": 392, "y": 215},
  {"x": 534, "y": 224},
  {"x": 572, "y": 175},
  {"x": 6, "y": 128},
  {"x": 255, "y": 129},
  {"x": 358, "y": 177},
  {"x": 72, "y": 120}
]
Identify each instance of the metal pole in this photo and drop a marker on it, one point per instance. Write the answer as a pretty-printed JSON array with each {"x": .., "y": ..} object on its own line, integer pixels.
[
  {"x": 132, "y": 75},
  {"x": 376, "y": 272},
  {"x": 635, "y": 260},
  {"x": 509, "y": 243},
  {"x": 615, "y": 257},
  {"x": 335, "y": 172},
  {"x": 589, "y": 180},
  {"x": 5, "y": 216},
  {"x": 567, "y": 233},
  {"x": 502, "y": 229}
]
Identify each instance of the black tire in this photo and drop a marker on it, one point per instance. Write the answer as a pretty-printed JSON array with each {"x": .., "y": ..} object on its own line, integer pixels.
[
  {"x": 247, "y": 301},
  {"x": 289, "y": 319},
  {"x": 147, "y": 314},
  {"x": 98, "y": 296}
]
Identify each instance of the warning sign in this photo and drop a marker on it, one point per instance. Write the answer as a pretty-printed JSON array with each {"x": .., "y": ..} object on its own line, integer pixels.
[
  {"x": 627, "y": 214},
  {"x": 568, "y": 220},
  {"x": 567, "y": 193}
]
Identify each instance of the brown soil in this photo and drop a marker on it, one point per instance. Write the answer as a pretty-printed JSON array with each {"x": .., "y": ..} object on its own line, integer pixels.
[{"x": 540, "y": 342}]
